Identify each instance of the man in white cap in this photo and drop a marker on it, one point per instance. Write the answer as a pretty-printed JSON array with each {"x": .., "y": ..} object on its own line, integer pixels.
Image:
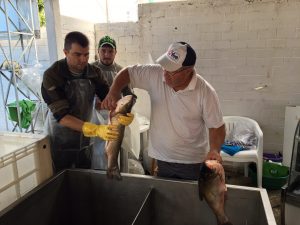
[{"x": 187, "y": 124}]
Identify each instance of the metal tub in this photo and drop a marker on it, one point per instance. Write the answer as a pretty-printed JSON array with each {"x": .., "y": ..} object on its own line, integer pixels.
[{"x": 87, "y": 197}]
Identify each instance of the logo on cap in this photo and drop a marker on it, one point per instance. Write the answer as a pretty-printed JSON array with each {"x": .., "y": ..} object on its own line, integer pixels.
[
  {"x": 107, "y": 40},
  {"x": 173, "y": 55}
]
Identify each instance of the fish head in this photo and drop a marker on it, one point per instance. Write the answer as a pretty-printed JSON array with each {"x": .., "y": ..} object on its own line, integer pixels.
[
  {"x": 212, "y": 188},
  {"x": 125, "y": 104},
  {"x": 206, "y": 175},
  {"x": 208, "y": 170},
  {"x": 211, "y": 171}
]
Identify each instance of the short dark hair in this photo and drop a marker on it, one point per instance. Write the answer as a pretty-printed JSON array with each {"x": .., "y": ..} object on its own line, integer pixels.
[{"x": 76, "y": 37}]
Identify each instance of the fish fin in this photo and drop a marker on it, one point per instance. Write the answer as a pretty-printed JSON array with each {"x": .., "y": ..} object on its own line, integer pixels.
[
  {"x": 200, "y": 194},
  {"x": 200, "y": 190},
  {"x": 225, "y": 195}
]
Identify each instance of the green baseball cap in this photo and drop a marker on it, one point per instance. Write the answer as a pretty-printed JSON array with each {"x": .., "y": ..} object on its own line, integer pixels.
[{"x": 107, "y": 40}]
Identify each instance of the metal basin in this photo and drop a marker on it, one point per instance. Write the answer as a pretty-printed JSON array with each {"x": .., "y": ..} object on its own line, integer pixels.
[{"x": 87, "y": 197}]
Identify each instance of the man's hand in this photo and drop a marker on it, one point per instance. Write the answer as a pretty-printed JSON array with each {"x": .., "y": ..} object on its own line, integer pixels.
[
  {"x": 110, "y": 101},
  {"x": 106, "y": 132},
  {"x": 126, "y": 120},
  {"x": 214, "y": 155}
]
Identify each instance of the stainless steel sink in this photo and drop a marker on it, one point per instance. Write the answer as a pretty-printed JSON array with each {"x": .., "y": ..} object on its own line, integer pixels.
[{"x": 87, "y": 197}]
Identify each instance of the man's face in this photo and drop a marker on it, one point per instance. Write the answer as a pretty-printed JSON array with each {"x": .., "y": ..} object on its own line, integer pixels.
[
  {"x": 179, "y": 79},
  {"x": 77, "y": 57},
  {"x": 107, "y": 54}
]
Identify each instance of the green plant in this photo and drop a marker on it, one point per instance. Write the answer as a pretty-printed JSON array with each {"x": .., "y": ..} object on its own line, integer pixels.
[{"x": 41, "y": 13}]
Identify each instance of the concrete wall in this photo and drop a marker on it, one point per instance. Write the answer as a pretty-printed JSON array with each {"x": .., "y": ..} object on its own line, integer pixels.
[
  {"x": 68, "y": 25},
  {"x": 241, "y": 45},
  {"x": 42, "y": 48}
]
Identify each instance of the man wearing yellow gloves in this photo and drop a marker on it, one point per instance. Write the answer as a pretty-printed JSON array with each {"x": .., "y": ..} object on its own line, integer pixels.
[{"x": 69, "y": 87}]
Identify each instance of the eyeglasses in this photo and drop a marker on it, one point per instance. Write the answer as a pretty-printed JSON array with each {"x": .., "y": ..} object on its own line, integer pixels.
[{"x": 178, "y": 71}]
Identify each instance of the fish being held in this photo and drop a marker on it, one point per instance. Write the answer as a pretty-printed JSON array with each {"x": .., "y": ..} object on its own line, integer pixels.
[
  {"x": 112, "y": 148},
  {"x": 212, "y": 188}
]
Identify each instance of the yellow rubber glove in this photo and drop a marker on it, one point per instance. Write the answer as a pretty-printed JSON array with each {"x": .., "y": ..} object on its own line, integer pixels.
[
  {"x": 126, "y": 120},
  {"x": 106, "y": 132}
]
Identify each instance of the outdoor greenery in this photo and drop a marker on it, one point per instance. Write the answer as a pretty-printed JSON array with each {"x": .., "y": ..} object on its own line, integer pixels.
[{"x": 41, "y": 13}]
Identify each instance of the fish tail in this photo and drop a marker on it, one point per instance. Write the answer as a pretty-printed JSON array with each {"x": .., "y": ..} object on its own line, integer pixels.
[
  {"x": 227, "y": 223},
  {"x": 223, "y": 219},
  {"x": 114, "y": 173}
]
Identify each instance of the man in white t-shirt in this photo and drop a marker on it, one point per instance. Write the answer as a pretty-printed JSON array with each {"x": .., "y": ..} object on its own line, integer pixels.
[{"x": 187, "y": 124}]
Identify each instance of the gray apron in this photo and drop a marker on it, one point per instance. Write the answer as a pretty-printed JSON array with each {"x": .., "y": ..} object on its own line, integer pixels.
[{"x": 69, "y": 147}]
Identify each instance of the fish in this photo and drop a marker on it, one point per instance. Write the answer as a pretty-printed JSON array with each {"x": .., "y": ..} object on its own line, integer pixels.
[
  {"x": 112, "y": 148},
  {"x": 212, "y": 188}
]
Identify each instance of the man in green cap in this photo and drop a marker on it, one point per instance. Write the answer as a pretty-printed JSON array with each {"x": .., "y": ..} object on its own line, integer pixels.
[{"x": 107, "y": 50}]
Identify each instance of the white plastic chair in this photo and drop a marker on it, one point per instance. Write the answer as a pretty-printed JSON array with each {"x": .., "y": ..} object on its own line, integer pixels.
[
  {"x": 238, "y": 124},
  {"x": 131, "y": 141}
]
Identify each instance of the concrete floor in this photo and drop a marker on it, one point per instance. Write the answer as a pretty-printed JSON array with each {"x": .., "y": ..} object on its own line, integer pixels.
[{"x": 234, "y": 175}]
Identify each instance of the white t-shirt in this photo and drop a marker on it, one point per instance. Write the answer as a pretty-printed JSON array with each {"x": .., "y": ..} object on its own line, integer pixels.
[{"x": 179, "y": 120}]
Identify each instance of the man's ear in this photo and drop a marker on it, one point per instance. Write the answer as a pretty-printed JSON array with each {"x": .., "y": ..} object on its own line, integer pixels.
[{"x": 66, "y": 52}]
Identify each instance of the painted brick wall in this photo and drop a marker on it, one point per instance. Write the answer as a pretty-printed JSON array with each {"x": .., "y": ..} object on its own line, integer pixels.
[
  {"x": 127, "y": 36},
  {"x": 241, "y": 45}
]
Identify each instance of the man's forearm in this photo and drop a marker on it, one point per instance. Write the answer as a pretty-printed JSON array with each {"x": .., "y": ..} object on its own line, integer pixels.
[
  {"x": 216, "y": 138},
  {"x": 120, "y": 82},
  {"x": 72, "y": 122}
]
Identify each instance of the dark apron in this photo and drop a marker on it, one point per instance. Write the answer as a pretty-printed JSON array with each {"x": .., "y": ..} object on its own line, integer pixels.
[{"x": 70, "y": 148}]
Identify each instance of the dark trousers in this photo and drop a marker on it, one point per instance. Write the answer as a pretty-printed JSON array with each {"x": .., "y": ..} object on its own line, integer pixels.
[{"x": 178, "y": 170}]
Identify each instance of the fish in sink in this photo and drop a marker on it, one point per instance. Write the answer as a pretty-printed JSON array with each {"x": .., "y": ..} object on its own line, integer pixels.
[
  {"x": 212, "y": 188},
  {"x": 112, "y": 148}
]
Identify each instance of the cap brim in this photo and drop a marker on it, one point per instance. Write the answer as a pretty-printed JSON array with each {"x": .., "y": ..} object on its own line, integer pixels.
[
  {"x": 107, "y": 43},
  {"x": 167, "y": 63}
]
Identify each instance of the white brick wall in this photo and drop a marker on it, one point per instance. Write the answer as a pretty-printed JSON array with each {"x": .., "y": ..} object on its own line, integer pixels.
[
  {"x": 127, "y": 38},
  {"x": 240, "y": 46}
]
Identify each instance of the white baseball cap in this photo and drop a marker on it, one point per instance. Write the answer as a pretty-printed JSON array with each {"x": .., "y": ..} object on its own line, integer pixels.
[{"x": 179, "y": 54}]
